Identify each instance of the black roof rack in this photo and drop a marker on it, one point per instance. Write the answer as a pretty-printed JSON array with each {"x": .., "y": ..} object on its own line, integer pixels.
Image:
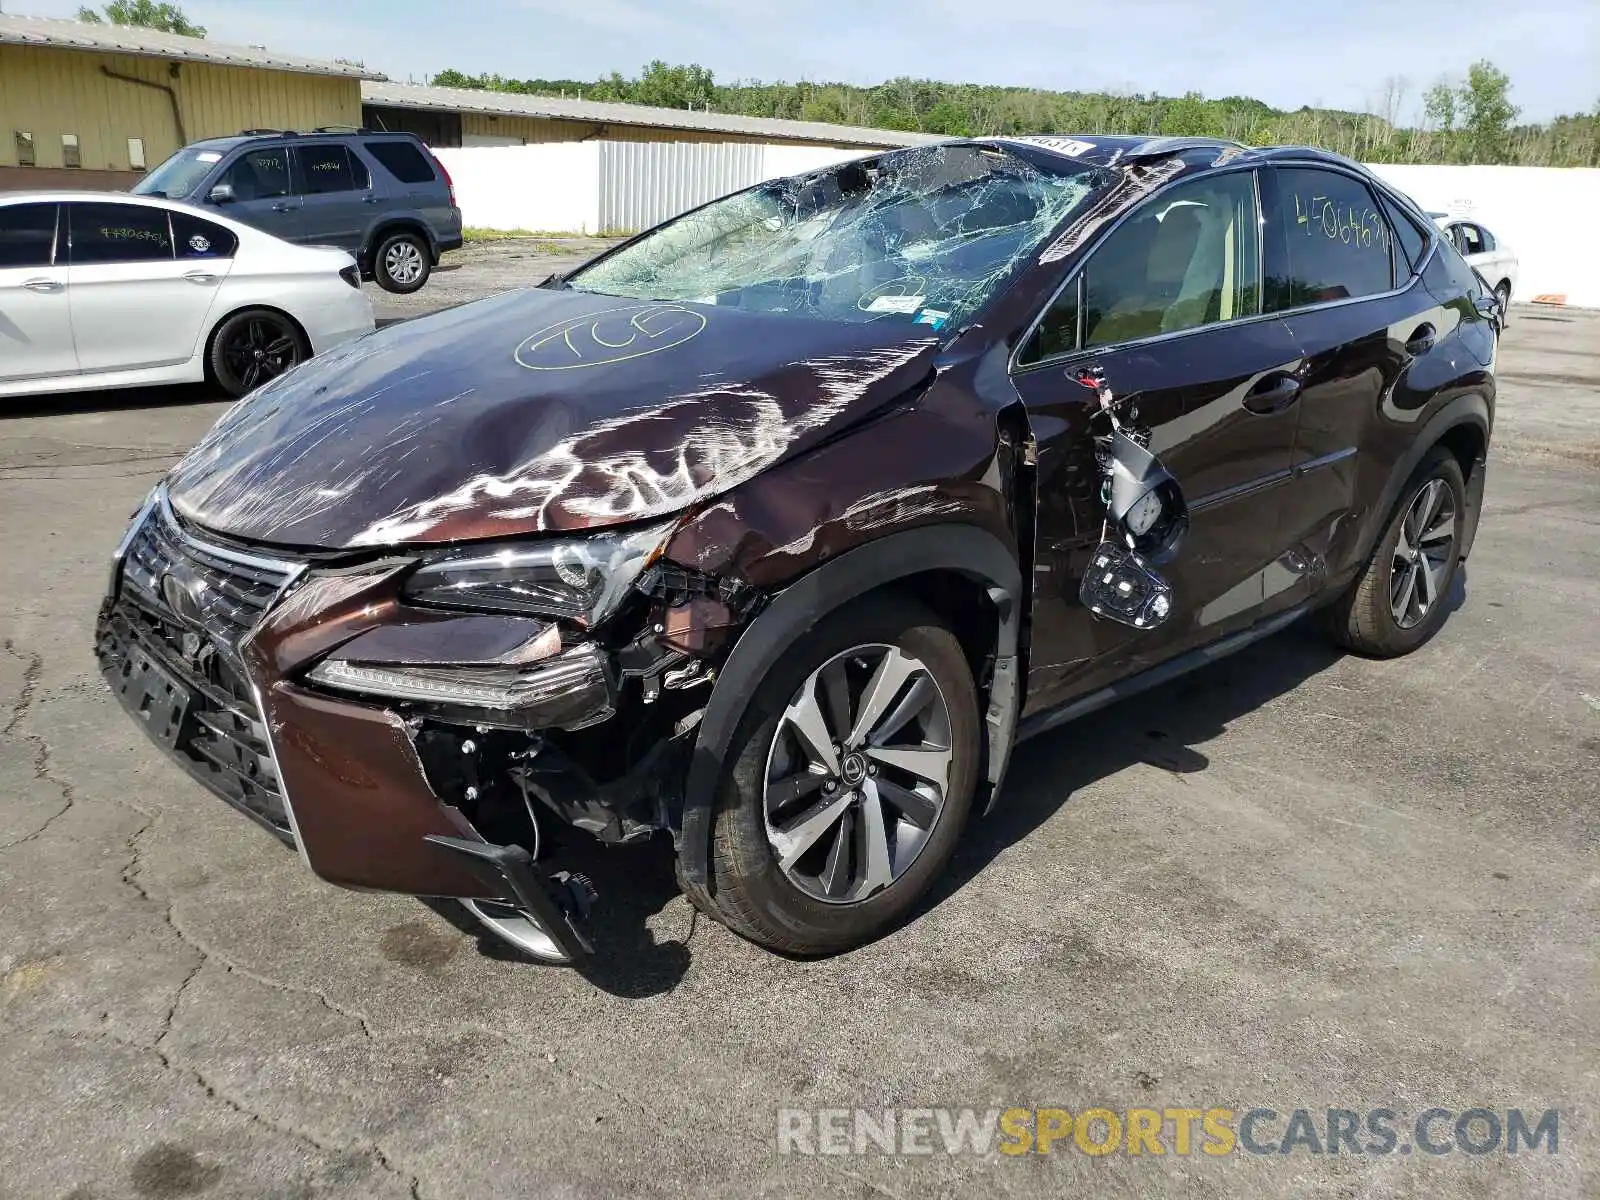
[
  {"x": 266, "y": 133},
  {"x": 361, "y": 129}
]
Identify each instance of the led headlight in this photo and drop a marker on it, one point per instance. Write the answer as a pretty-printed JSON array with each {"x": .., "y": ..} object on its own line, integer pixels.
[{"x": 580, "y": 579}]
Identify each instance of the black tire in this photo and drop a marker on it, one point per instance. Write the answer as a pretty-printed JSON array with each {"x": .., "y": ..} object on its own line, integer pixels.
[
  {"x": 402, "y": 263},
  {"x": 1503, "y": 294},
  {"x": 1372, "y": 617},
  {"x": 750, "y": 891},
  {"x": 253, "y": 346}
]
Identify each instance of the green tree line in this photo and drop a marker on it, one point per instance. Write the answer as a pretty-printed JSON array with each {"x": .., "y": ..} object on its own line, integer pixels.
[{"x": 1469, "y": 119}]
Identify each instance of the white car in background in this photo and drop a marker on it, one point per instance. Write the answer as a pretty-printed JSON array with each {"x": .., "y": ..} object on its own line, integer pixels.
[
  {"x": 106, "y": 290},
  {"x": 1490, "y": 257}
]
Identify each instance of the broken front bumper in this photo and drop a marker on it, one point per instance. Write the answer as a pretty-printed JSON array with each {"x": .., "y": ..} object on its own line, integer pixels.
[{"x": 206, "y": 644}]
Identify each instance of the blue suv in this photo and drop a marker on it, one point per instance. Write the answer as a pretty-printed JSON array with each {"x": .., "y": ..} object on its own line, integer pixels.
[{"x": 382, "y": 196}]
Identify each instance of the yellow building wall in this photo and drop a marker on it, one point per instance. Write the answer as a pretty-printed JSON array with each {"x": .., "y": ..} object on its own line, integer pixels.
[
  {"x": 49, "y": 92},
  {"x": 534, "y": 130}
]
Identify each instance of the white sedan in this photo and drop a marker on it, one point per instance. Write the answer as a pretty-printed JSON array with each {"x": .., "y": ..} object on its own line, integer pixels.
[
  {"x": 1486, "y": 254},
  {"x": 105, "y": 290}
]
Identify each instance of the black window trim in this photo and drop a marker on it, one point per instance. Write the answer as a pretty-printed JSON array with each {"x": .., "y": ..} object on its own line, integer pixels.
[
  {"x": 1075, "y": 279},
  {"x": 110, "y": 202}
]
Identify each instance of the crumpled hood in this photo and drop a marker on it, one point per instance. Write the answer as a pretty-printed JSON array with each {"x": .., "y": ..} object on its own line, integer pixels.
[{"x": 538, "y": 410}]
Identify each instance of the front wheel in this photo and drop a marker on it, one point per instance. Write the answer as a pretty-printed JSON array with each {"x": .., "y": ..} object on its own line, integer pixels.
[
  {"x": 1399, "y": 600},
  {"x": 850, "y": 781},
  {"x": 402, "y": 263},
  {"x": 254, "y": 346}
]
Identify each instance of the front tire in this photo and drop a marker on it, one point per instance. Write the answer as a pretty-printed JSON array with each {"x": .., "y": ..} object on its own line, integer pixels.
[
  {"x": 254, "y": 346},
  {"x": 849, "y": 783},
  {"x": 1399, "y": 600},
  {"x": 402, "y": 263}
]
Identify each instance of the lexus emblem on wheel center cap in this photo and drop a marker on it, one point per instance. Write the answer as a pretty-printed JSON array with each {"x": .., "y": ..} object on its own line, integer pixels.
[{"x": 853, "y": 769}]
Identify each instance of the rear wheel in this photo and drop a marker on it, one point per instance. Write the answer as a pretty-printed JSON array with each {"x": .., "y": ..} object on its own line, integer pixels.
[
  {"x": 850, "y": 781},
  {"x": 1399, "y": 600},
  {"x": 254, "y": 346},
  {"x": 1503, "y": 294},
  {"x": 402, "y": 263}
]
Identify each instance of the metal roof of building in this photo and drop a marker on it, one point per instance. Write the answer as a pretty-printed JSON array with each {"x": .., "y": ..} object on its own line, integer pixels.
[
  {"x": 151, "y": 43},
  {"x": 473, "y": 100}
]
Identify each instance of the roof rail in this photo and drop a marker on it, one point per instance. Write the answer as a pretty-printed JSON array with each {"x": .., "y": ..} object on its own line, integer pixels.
[
  {"x": 1165, "y": 146},
  {"x": 266, "y": 133},
  {"x": 342, "y": 129}
]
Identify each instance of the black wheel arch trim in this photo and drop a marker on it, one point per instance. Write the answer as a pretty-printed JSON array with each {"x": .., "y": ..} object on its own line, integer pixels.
[
  {"x": 1472, "y": 410},
  {"x": 966, "y": 549}
]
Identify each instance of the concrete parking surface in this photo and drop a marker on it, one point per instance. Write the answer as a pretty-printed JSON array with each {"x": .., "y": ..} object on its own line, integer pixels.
[{"x": 1296, "y": 879}]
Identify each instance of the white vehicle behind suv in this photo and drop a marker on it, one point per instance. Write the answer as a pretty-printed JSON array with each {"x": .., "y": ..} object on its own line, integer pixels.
[
  {"x": 1487, "y": 255},
  {"x": 103, "y": 290}
]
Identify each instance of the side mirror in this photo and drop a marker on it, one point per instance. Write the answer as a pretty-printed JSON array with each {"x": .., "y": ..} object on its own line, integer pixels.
[
  {"x": 1490, "y": 309},
  {"x": 221, "y": 194},
  {"x": 1147, "y": 518},
  {"x": 1145, "y": 504}
]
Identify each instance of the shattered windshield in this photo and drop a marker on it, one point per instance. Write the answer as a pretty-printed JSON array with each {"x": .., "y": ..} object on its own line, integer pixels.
[{"x": 924, "y": 235}]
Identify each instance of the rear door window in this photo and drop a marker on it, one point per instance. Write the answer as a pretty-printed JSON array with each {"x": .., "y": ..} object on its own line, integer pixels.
[
  {"x": 260, "y": 174},
  {"x": 195, "y": 237},
  {"x": 1336, "y": 242},
  {"x": 1472, "y": 240},
  {"x": 329, "y": 167},
  {"x": 27, "y": 235},
  {"x": 403, "y": 160},
  {"x": 119, "y": 233}
]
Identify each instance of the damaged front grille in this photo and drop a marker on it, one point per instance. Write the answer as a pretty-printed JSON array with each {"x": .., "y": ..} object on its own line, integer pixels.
[{"x": 168, "y": 644}]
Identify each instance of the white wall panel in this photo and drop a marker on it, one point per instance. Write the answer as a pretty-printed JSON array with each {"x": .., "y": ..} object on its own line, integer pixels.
[
  {"x": 644, "y": 183},
  {"x": 553, "y": 187},
  {"x": 1538, "y": 211}
]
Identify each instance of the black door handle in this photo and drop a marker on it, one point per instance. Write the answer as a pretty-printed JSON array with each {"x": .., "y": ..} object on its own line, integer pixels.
[
  {"x": 1422, "y": 339},
  {"x": 1272, "y": 394}
]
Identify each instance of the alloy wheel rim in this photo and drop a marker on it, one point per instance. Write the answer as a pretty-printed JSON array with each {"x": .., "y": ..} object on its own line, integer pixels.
[
  {"x": 1423, "y": 554},
  {"x": 260, "y": 350},
  {"x": 857, "y": 774},
  {"x": 403, "y": 262}
]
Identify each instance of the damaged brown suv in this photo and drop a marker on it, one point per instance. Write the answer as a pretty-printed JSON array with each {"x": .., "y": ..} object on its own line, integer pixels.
[{"x": 773, "y": 529}]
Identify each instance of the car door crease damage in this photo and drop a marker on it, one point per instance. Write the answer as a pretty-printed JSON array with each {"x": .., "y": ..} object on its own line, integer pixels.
[{"x": 555, "y": 561}]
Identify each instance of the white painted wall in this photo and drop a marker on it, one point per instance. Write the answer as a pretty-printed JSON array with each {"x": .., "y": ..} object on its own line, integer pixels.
[
  {"x": 553, "y": 187},
  {"x": 583, "y": 187},
  {"x": 1538, "y": 211}
]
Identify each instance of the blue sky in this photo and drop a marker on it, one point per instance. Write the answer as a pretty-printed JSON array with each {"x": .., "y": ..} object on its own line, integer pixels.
[{"x": 1286, "y": 52}]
